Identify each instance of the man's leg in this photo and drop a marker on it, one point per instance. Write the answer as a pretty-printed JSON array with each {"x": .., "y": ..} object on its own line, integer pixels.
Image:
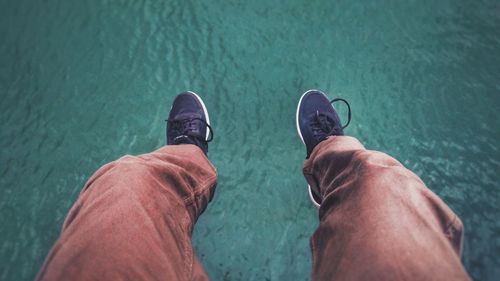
[
  {"x": 378, "y": 221},
  {"x": 134, "y": 219}
]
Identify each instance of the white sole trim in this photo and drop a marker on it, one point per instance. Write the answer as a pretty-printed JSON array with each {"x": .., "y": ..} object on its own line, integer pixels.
[
  {"x": 312, "y": 197},
  {"x": 205, "y": 111},
  {"x": 297, "y": 112},
  {"x": 302, "y": 138}
]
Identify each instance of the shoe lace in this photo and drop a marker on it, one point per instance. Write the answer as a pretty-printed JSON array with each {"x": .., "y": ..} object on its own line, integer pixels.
[
  {"x": 323, "y": 124},
  {"x": 189, "y": 126}
]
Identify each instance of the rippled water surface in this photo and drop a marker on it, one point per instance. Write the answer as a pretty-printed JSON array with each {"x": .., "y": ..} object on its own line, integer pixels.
[{"x": 84, "y": 82}]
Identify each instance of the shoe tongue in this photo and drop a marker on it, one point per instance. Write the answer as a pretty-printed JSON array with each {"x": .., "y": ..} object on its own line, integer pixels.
[
  {"x": 326, "y": 124},
  {"x": 192, "y": 124},
  {"x": 325, "y": 121}
]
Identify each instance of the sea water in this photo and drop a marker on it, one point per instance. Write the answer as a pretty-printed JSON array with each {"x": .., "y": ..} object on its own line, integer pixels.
[{"x": 85, "y": 82}]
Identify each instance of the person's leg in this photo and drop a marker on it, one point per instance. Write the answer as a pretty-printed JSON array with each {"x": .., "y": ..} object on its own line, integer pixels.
[
  {"x": 378, "y": 221},
  {"x": 134, "y": 219}
]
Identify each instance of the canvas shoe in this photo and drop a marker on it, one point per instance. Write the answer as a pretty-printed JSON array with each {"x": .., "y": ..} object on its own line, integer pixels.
[
  {"x": 188, "y": 122},
  {"x": 317, "y": 119}
]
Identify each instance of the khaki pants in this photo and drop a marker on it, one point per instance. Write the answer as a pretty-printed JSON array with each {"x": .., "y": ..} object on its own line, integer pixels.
[{"x": 135, "y": 216}]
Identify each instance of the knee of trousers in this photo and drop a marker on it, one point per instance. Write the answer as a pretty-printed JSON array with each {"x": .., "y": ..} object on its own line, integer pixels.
[
  {"x": 381, "y": 169},
  {"x": 124, "y": 168},
  {"x": 375, "y": 158},
  {"x": 123, "y": 174},
  {"x": 131, "y": 167}
]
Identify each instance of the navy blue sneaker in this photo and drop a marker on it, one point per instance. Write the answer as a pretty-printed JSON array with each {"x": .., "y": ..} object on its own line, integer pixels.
[
  {"x": 188, "y": 122},
  {"x": 316, "y": 121}
]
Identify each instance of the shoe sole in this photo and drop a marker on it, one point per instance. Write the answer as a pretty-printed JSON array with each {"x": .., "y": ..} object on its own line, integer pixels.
[
  {"x": 302, "y": 138},
  {"x": 205, "y": 111}
]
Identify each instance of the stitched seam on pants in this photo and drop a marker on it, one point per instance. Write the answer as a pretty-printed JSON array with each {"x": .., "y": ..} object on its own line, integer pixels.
[
  {"x": 451, "y": 224},
  {"x": 187, "y": 248},
  {"x": 205, "y": 186},
  {"x": 191, "y": 255}
]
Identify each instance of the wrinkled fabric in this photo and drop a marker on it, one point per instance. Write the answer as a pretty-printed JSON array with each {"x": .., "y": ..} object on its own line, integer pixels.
[
  {"x": 134, "y": 219},
  {"x": 378, "y": 220}
]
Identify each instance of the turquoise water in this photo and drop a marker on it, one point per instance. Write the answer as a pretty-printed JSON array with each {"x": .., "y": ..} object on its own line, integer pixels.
[{"x": 84, "y": 82}]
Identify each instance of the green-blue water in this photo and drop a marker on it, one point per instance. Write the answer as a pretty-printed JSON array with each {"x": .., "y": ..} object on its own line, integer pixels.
[{"x": 84, "y": 82}]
